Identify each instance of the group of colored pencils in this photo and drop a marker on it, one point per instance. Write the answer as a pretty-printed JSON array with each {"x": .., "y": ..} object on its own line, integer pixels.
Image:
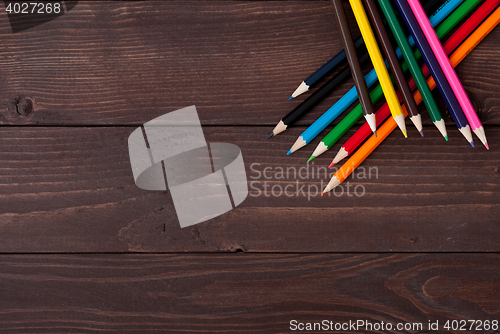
[{"x": 437, "y": 70}]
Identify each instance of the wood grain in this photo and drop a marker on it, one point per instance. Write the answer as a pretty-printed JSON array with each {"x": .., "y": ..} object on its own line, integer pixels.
[
  {"x": 83, "y": 250},
  {"x": 244, "y": 293},
  {"x": 238, "y": 61},
  {"x": 71, "y": 190}
]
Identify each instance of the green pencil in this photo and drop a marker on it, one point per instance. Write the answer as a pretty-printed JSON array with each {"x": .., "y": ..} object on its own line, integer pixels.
[
  {"x": 415, "y": 71},
  {"x": 338, "y": 131}
]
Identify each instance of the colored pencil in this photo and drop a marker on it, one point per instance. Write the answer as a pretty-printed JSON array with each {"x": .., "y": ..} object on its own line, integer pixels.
[
  {"x": 450, "y": 74},
  {"x": 467, "y": 27},
  {"x": 360, "y": 136},
  {"x": 450, "y": 45},
  {"x": 325, "y": 90},
  {"x": 364, "y": 151},
  {"x": 429, "y": 101},
  {"x": 445, "y": 10},
  {"x": 392, "y": 59},
  {"x": 357, "y": 74},
  {"x": 378, "y": 63},
  {"x": 340, "y": 59},
  {"x": 431, "y": 62},
  {"x": 338, "y": 131},
  {"x": 334, "y": 111},
  {"x": 444, "y": 29}
]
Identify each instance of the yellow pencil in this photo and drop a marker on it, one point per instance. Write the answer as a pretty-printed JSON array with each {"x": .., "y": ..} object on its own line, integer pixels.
[{"x": 378, "y": 64}]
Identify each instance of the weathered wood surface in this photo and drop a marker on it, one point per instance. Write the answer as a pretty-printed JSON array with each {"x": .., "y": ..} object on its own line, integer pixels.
[
  {"x": 71, "y": 189},
  {"x": 238, "y": 61},
  {"x": 243, "y": 293},
  {"x": 66, "y": 186}
]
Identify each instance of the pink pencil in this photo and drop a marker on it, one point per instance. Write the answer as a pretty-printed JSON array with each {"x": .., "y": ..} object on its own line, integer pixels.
[{"x": 448, "y": 70}]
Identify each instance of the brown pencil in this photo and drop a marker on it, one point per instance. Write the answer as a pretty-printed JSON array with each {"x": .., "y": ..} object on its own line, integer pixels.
[
  {"x": 378, "y": 27},
  {"x": 350, "y": 50}
]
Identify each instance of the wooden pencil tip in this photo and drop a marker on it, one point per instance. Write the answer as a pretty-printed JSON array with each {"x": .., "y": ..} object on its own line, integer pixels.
[
  {"x": 487, "y": 147},
  {"x": 312, "y": 157},
  {"x": 271, "y": 135},
  {"x": 289, "y": 152},
  {"x": 446, "y": 138},
  {"x": 331, "y": 165},
  {"x": 291, "y": 97},
  {"x": 421, "y": 132},
  {"x": 404, "y": 133},
  {"x": 472, "y": 143},
  {"x": 375, "y": 134}
]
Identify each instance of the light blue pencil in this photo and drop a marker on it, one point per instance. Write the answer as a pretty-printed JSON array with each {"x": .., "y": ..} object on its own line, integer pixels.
[{"x": 351, "y": 96}]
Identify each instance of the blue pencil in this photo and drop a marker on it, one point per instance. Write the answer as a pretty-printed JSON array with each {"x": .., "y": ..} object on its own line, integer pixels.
[
  {"x": 351, "y": 96},
  {"x": 436, "y": 72},
  {"x": 332, "y": 113}
]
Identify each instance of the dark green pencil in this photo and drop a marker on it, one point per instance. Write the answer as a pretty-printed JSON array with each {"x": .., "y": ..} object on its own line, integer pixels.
[{"x": 414, "y": 68}]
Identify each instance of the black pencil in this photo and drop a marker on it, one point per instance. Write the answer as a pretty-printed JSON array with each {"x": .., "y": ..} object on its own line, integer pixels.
[{"x": 317, "y": 96}]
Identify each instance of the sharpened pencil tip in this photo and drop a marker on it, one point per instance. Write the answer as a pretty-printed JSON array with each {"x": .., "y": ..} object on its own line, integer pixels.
[
  {"x": 331, "y": 165},
  {"x": 312, "y": 157},
  {"x": 375, "y": 134},
  {"x": 404, "y": 133},
  {"x": 472, "y": 143},
  {"x": 271, "y": 135},
  {"x": 487, "y": 147},
  {"x": 291, "y": 97},
  {"x": 446, "y": 138},
  {"x": 289, "y": 152},
  {"x": 421, "y": 133}
]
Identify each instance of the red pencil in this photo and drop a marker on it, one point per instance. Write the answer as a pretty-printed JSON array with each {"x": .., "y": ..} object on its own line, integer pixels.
[
  {"x": 364, "y": 132},
  {"x": 449, "y": 46}
]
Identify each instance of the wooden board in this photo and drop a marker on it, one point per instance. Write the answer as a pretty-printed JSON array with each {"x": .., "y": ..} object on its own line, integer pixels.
[
  {"x": 83, "y": 250},
  {"x": 71, "y": 189},
  {"x": 238, "y": 61},
  {"x": 244, "y": 293}
]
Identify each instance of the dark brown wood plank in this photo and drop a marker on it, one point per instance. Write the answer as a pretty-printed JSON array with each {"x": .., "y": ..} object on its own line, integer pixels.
[
  {"x": 71, "y": 190},
  {"x": 128, "y": 62},
  {"x": 243, "y": 293}
]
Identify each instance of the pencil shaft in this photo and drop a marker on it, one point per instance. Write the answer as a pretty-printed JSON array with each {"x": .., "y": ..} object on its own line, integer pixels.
[
  {"x": 389, "y": 126},
  {"x": 431, "y": 62},
  {"x": 338, "y": 60},
  {"x": 321, "y": 93},
  {"x": 410, "y": 59},
  {"x": 378, "y": 63},
  {"x": 364, "y": 132},
  {"x": 466, "y": 28},
  {"x": 444, "y": 29},
  {"x": 390, "y": 55},
  {"x": 446, "y": 9},
  {"x": 349, "y": 48},
  {"x": 444, "y": 63}
]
